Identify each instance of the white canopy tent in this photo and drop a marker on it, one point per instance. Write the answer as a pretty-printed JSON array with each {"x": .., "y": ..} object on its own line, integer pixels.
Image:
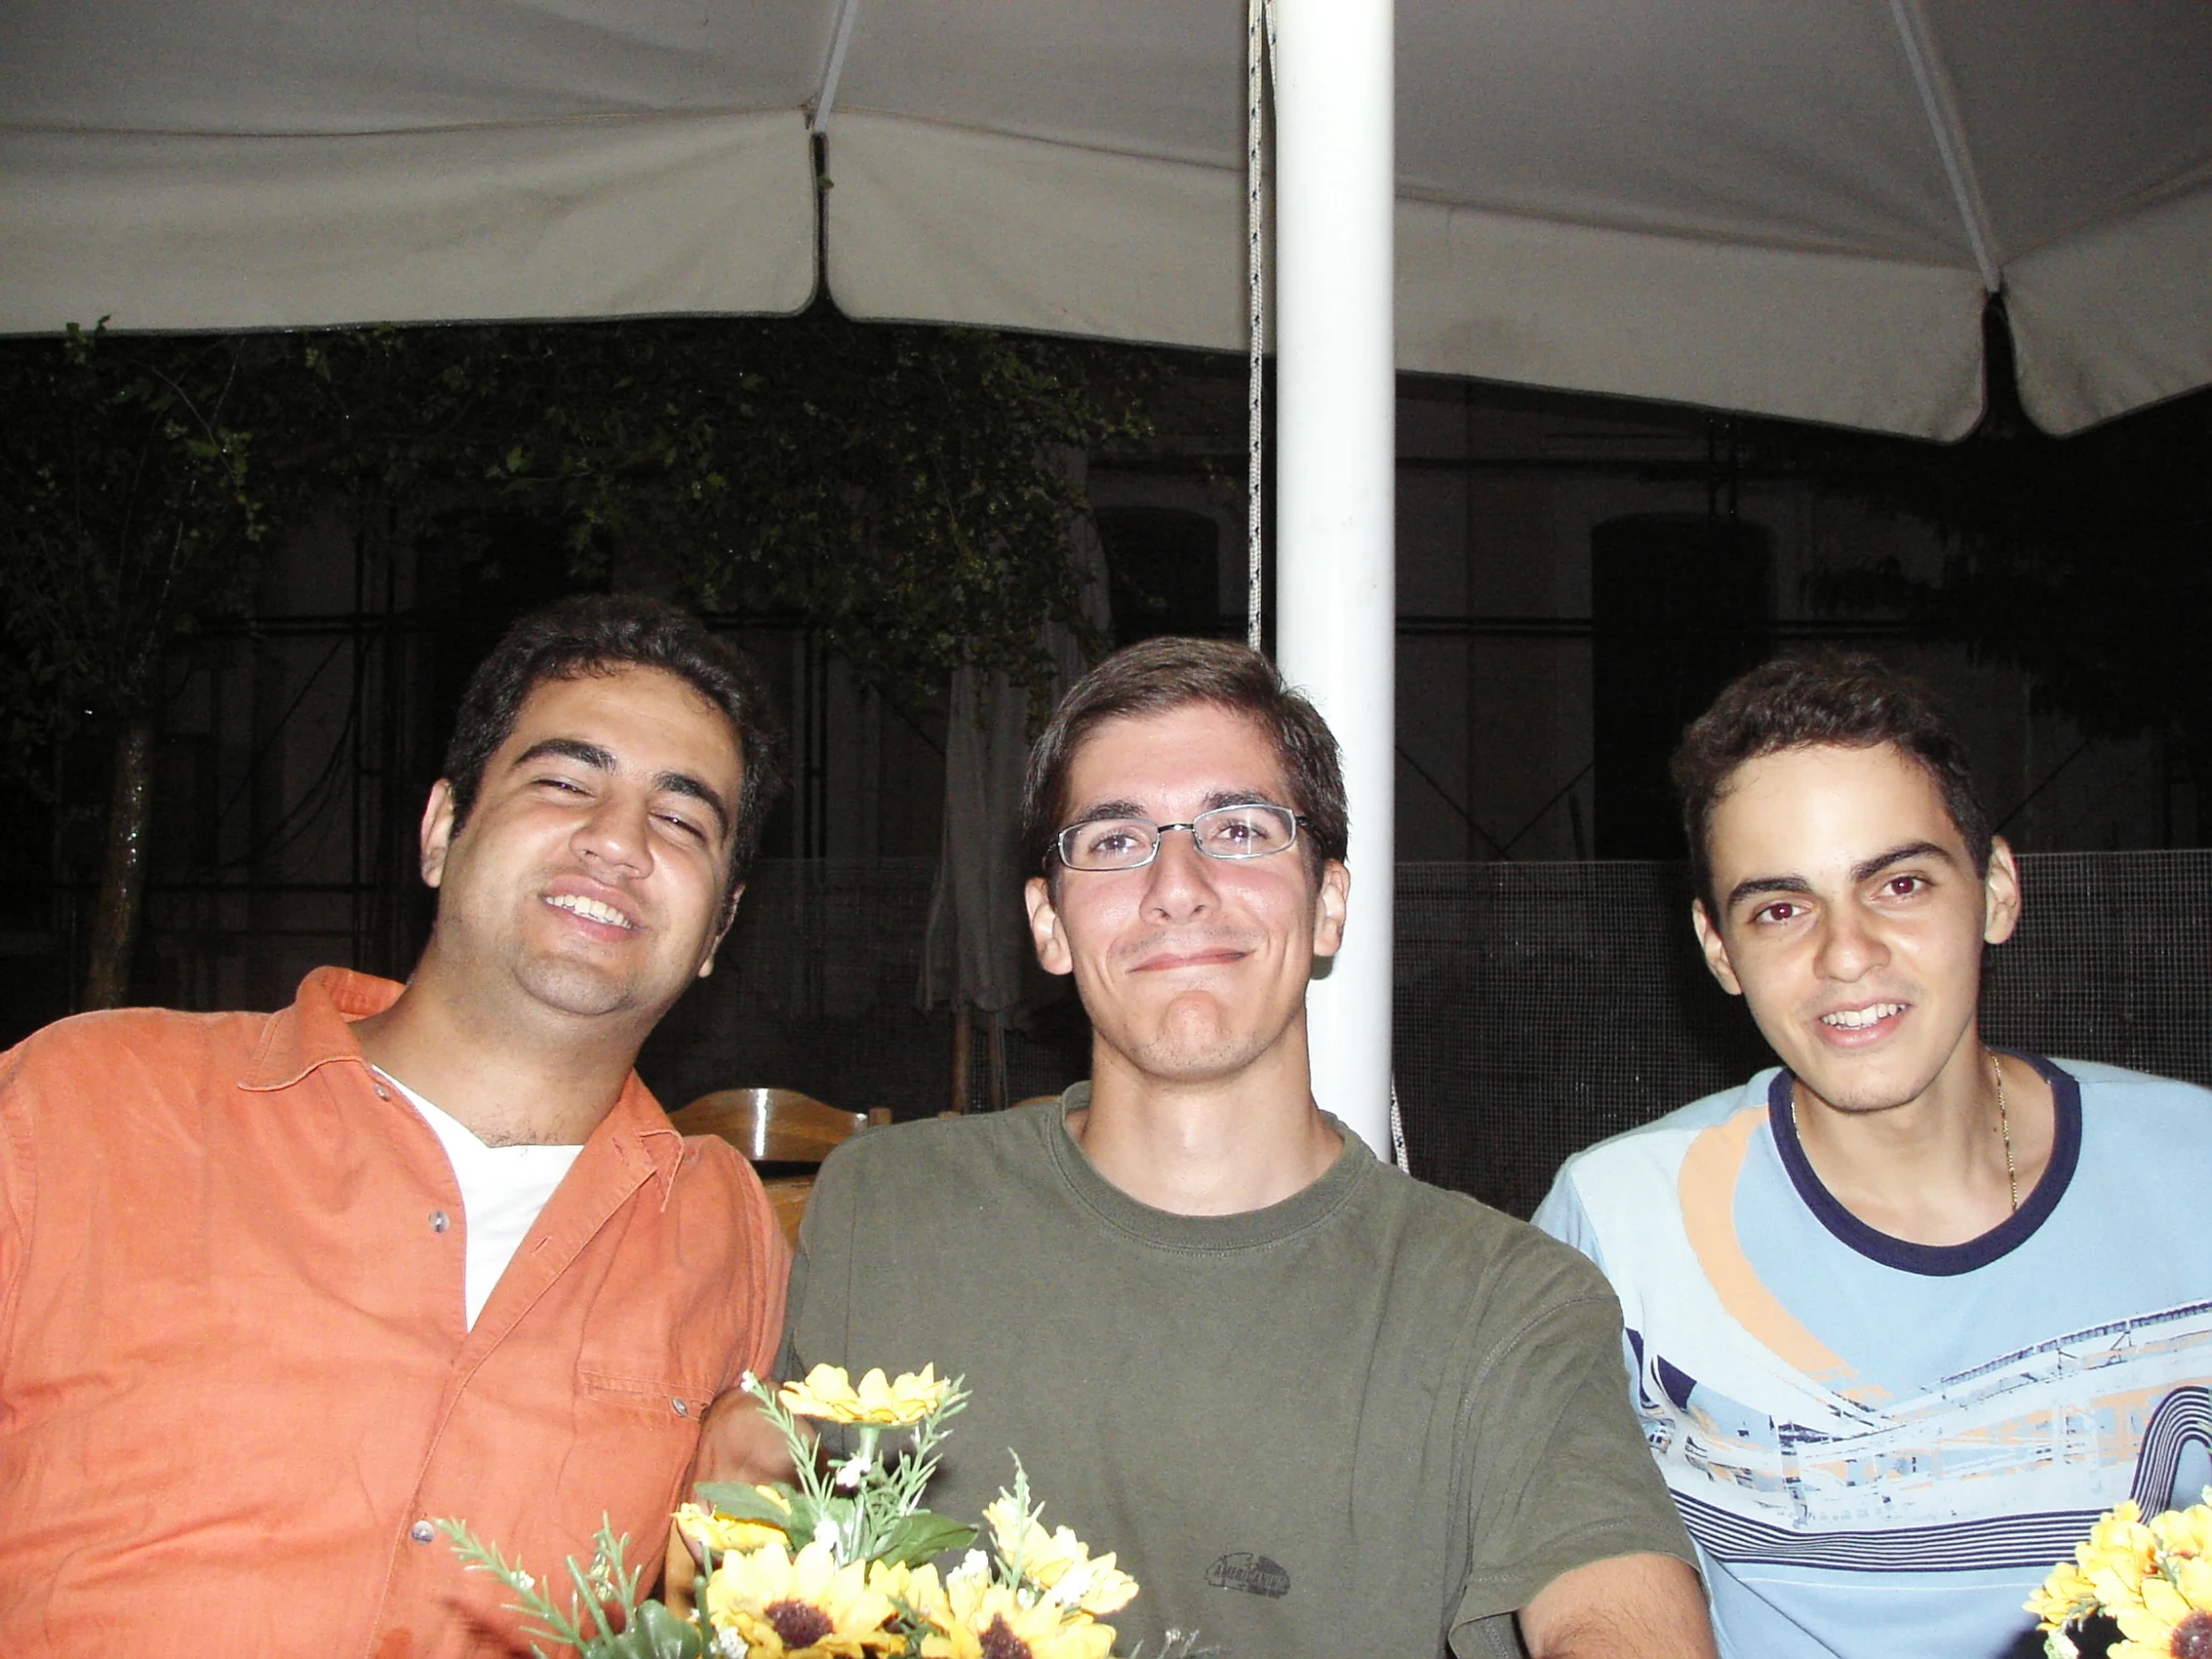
[
  {"x": 1796, "y": 209},
  {"x": 1786, "y": 208}
]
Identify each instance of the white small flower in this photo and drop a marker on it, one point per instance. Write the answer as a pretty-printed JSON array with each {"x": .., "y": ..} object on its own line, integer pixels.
[
  {"x": 973, "y": 1565},
  {"x": 730, "y": 1644},
  {"x": 853, "y": 1470},
  {"x": 1074, "y": 1585},
  {"x": 826, "y": 1535},
  {"x": 524, "y": 1583}
]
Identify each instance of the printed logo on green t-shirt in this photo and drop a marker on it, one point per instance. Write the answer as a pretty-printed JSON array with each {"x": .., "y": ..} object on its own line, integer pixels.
[{"x": 1253, "y": 1574}]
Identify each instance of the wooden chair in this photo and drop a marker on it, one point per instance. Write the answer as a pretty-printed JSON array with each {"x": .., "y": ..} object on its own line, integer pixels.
[{"x": 778, "y": 1128}]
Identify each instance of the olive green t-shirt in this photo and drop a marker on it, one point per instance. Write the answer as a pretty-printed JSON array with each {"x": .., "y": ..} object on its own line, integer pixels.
[{"x": 1372, "y": 1419}]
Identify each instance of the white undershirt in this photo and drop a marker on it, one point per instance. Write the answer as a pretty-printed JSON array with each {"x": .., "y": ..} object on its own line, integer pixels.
[{"x": 502, "y": 1190}]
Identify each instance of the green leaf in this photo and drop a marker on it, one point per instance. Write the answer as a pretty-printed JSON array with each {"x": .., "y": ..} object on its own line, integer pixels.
[
  {"x": 653, "y": 1633},
  {"x": 917, "y": 1537},
  {"x": 743, "y": 1502}
]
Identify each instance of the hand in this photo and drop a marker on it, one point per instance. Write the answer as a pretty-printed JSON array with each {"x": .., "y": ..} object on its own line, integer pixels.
[
  {"x": 1627, "y": 1608},
  {"x": 737, "y": 1441}
]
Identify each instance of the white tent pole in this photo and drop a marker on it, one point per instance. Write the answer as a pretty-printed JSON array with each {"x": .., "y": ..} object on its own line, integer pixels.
[
  {"x": 840, "y": 41},
  {"x": 1335, "y": 460},
  {"x": 1940, "y": 104}
]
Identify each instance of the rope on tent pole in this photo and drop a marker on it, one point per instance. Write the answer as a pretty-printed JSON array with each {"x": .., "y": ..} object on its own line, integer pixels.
[{"x": 1259, "y": 43}]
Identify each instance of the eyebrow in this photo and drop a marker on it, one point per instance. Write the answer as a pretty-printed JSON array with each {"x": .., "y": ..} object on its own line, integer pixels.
[
  {"x": 1866, "y": 869},
  {"x": 600, "y": 758},
  {"x": 1105, "y": 809}
]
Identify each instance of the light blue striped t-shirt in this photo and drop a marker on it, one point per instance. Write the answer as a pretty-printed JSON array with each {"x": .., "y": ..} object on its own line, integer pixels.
[{"x": 1882, "y": 1448}]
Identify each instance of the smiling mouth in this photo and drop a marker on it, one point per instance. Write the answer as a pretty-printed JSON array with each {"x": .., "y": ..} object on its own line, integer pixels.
[
  {"x": 1219, "y": 956},
  {"x": 591, "y": 909},
  {"x": 1857, "y": 1019}
]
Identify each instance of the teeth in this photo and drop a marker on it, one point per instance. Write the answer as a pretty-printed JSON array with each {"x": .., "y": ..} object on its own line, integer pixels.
[
  {"x": 1853, "y": 1019},
  {"x": 591, "y": 909}
]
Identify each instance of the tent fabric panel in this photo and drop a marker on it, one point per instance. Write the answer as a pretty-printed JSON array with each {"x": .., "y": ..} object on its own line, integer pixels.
[
  {"x": 593, "y": 218},
  {"x": 1812, "y": 336},
  {"x": 936, "y": 223},
  {"x": 278, "y": 68},
  {"x": 2116, "y": 316}
]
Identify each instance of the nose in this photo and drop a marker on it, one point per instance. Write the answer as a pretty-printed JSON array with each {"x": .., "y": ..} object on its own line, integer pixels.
[
  {"x": 1182, "y": 878},
  {"x": 612, "y": 840},
  {"x": 1850, "y": 947}
]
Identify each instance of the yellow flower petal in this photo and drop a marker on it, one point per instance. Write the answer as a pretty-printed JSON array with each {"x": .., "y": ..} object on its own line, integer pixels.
[
  {"x": 803, "y": 1607},
  {"x": 980, "y": 1617},
  {"x": 830, "y": 1395},
  {"x": 721, "y": 1533}
]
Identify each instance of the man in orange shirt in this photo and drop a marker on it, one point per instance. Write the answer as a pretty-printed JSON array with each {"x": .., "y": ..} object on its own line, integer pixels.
[{"x": 277, "y": 1292}]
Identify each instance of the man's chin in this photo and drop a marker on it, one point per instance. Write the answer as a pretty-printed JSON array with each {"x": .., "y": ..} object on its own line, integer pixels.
[
  {"x": 571, "y": 989},
  {"x": 1862, "y": 1091}
]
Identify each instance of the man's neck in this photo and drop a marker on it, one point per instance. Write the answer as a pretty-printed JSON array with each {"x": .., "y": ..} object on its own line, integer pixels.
[
  {"x": 1941, "y": 1169},
  {"x": 1220, "y": 1147},
  {"x": 513, "y": 1079}
]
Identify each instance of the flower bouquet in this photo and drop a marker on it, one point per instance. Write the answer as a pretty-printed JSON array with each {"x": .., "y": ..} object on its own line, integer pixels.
[
  {"x": 2153, "y": 1579},
  {"x": 840, "y": 1566}
]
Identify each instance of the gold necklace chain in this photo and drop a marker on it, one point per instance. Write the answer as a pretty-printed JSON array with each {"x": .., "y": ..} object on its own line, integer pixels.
[{"x": 2005, "y": 1128}]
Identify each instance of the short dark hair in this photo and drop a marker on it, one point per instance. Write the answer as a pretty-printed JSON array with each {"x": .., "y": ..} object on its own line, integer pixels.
[
  {"x": 1844, "y": 700},
  {"x": 601, "y": 634},
  {"x": 1157, "y": 675}
]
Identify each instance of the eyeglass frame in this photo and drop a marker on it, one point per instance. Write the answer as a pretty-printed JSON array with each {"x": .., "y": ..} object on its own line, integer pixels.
[{"x": 1159, "y": 837}]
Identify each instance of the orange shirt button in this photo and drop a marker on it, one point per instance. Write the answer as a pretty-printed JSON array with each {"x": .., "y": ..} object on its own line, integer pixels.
[
  {"x": 438, "y": 1220},
  {"x": 422, "y": 1532}
]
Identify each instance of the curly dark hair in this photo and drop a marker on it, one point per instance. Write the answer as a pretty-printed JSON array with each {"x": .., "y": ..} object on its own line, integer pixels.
[
  {"x": 600, "y": 634},
  {"x": 1157, "y": 675},
  {"x": 1846, "y": 699}
]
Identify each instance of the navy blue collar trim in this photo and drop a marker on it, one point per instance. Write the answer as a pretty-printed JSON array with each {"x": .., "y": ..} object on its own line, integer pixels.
[{"x": 1935, "y": 1260}]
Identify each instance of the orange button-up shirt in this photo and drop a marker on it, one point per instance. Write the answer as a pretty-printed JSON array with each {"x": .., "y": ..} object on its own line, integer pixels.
[{"x": 235, "y": 1385}]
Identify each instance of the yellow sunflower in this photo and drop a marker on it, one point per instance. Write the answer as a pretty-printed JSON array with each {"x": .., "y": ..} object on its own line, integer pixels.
[
  {"x": 1058, "y": 1560},
  {"x": 2117, "y": 1554},
  {"x": 915, "y": 1590},
  {"x": 828, "y": 1394},
  {"x": 723, "y": 1534},
  {"x": 2066, "y": 1596},
  {"x": 800, "y": 1607},
  {"x": 2173, "y": 1618},
  {"x": 982, "y": 1620},
  {"x": 2185, "y": 1532}
]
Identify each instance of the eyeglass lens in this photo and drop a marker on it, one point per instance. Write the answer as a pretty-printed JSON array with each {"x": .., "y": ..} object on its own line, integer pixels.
[{"x": 1242, "y": 832}]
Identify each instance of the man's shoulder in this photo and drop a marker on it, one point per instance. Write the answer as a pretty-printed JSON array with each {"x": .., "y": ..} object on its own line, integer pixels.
[
  {"x": 2108, "y": 1087},
  {"x": 1452, "y": 1244},
  {"x": 1657, "y": 1146},
  {"x": 97, "y": 1046},
  {"x": 932, "y": 1148}
]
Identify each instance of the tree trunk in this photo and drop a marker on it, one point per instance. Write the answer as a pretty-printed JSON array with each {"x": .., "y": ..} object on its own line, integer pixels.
[{"x": 114, "y": 923}]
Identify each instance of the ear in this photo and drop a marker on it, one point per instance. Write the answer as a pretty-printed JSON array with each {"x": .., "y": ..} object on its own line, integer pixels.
[
  {"x": 1053, "y": 955},
  {"x": 2000, "y": 893},
  {"x": 729, "y": 915},
  {"x": 1333, "y": 901},
  {"x": 437, "y": 832},
  {"x": 1715, "y": 947}
]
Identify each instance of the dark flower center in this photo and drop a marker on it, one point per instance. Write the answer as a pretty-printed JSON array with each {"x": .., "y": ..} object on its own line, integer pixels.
[
  {"x": 1001, "y": 1643},
  {"x": 2193, "y": 1637},
  {"x": 797, "y": 1623}
]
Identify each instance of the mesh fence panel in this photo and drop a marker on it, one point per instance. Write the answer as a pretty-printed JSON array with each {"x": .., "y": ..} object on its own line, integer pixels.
[{"x": 1539, "y": 1006}]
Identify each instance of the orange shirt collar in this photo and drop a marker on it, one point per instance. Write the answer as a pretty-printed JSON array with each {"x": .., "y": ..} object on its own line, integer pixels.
[{"x": 317, "y": 1029}]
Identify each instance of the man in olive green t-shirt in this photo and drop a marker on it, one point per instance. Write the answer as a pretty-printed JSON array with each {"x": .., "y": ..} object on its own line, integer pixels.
[{"x": 1316, "y": 1407}]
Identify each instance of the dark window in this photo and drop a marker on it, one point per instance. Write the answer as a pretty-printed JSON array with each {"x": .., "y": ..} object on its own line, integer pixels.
[{"x": 1163, "y": 571}]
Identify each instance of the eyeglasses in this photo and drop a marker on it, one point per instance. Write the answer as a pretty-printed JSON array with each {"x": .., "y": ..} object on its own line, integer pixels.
[{"x": 1253, "y": 831}]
